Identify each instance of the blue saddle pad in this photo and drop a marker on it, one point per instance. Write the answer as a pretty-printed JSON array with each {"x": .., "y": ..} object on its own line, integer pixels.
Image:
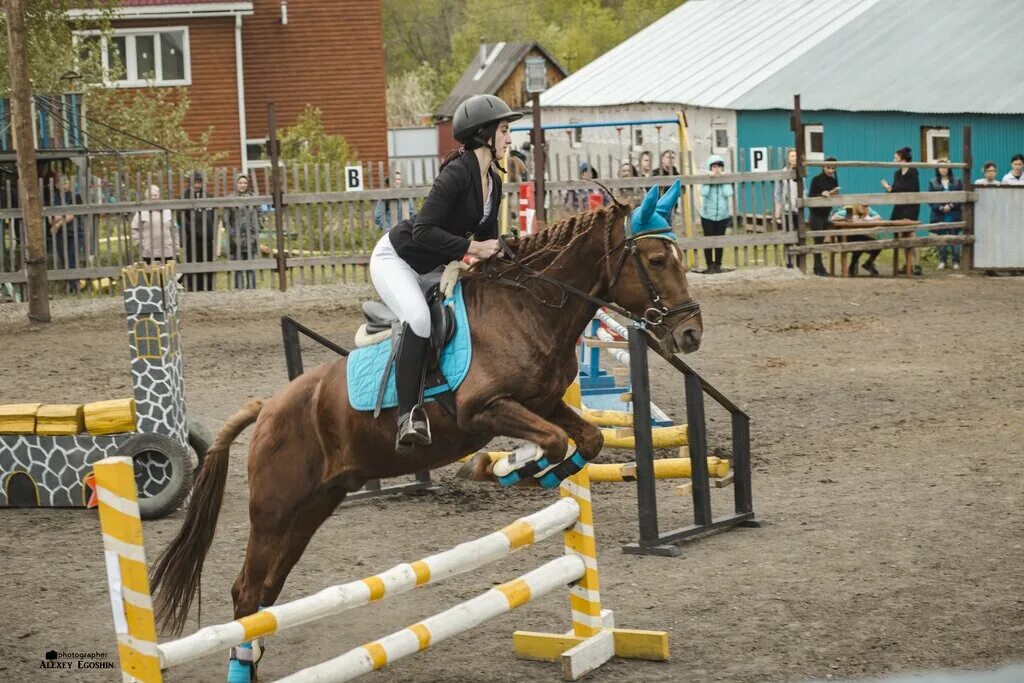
[{"x": 366, "y": 364}]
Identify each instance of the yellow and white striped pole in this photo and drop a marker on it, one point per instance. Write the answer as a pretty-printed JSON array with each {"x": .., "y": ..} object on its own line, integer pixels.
[{"x": 127, "y": 573}]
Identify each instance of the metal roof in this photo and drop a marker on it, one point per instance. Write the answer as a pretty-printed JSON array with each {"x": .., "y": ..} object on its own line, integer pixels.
[
  {"x": 500, "y": 62},
  {"x": 706, "y": 53},
  {"x": 924, "y": 56}
]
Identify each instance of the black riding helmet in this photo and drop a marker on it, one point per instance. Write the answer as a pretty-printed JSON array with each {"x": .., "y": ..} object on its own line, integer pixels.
[{"x": 477, "y": 113}]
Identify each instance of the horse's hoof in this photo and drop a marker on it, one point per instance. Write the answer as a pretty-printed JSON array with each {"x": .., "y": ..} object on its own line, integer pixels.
[{"x": 476, "y": 468}]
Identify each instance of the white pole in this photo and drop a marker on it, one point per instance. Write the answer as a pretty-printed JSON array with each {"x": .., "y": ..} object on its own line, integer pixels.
[
  {"x": 399, "y": 579},
  {"x": 463, "y": 617}
]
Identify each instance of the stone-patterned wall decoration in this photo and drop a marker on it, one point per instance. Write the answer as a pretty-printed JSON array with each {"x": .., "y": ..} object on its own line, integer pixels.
[{"x": 55, "y": 466}]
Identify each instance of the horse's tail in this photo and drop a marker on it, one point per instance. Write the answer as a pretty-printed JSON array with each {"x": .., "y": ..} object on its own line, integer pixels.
[{"x": 176, "y": 574}]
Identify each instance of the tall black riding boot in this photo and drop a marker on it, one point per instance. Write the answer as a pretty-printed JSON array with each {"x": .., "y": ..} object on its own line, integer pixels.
[
  {"x": 413, "y": 426},
  {"x": 819, "y": 266}
]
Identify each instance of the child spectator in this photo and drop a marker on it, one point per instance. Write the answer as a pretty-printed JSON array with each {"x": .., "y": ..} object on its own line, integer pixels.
[
  {"x": 715, "y": 211},
  {"x": 990, "y": 174},
  {"x": 154, "y": 232},
  {"x": 1016, "y": 174},
  {"x": 859, "y": 213},
  {"x": 947, "y": 212}
]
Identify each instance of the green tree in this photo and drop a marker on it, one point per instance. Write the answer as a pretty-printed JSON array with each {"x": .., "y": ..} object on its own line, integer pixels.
[{"x": 52, "y": 50}]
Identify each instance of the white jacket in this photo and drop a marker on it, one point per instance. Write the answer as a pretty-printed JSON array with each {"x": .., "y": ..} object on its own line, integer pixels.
[{"x": 156, "y": 234}]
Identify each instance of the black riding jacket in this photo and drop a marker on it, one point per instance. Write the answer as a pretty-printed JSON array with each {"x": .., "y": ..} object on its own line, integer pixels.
[{"x": 450, "y": 217}]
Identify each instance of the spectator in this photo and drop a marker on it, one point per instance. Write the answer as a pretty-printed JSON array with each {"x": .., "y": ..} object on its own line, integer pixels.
[
  {"x": 990, "y": 174},
  {"x": 200, "y": 234},
  {"x": 715, "y": 211},
  {"x": 668, "y": 166},
  {"x": 645, "y": 164},
  {"x": 155, "y": 233},
  {"x": 948, "y": 212},
  {"x": 382, "y": 216},
  {"x": 825, "y": 184},
  {"x": 627, "y": 170},
  {"x": 628, "y": 194},
  {"x": 243, "y": 223},
  {"x": 66, "y": 229},
  {"x": 1016, "y": 174},
  {"x": 786, "y": 195},
  {"x": 905, "y": 179},
  {"x": 859, "y": 213},
  {"x": 584, "y": 199},
  {"x": 518, "y": 172}
]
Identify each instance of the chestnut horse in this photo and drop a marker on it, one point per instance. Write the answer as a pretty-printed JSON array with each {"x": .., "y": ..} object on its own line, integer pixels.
[{"x": 310, "y": 447}]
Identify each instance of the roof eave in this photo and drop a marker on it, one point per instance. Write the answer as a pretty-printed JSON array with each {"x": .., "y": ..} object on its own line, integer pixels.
[{"x": 183, "y": 11}]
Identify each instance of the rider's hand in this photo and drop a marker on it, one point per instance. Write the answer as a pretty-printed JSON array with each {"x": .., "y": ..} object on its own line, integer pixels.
[{"x": 483, "y": 250}]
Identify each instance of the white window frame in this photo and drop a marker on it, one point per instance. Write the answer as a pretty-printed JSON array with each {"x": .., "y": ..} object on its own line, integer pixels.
[
  {"x": 808, "y": 130},
  {"x": 256, "y": 163},
  {"x": 576, "y": 139},
  {"x": 715, "y": 147},
  {"x": 932, "y": 133},
  {"x": 130, "y": 66},
  {"x": 637, "y": 141}
]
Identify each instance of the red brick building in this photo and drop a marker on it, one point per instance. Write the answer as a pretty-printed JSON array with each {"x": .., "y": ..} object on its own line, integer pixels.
[{"x": 235, "y": 57}]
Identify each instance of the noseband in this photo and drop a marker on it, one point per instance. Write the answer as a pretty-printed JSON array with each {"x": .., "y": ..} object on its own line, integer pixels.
[{"x": 655, "y": 314}]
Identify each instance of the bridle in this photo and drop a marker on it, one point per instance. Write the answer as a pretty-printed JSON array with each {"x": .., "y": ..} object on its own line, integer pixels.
[{"x": 655, "y": 314}]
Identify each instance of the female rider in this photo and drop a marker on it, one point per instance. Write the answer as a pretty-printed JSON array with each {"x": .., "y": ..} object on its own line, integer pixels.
[{"x": 459, "y": 217}]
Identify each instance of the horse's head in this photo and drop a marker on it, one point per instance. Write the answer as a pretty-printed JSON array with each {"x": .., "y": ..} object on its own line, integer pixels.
[{"x": 648, "y": 276}]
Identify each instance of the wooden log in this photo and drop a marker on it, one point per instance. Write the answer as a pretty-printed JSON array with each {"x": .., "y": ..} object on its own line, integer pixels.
[
  {"x": 60, "y": 420},
  {"x": 18, "y": 418},
  {"x": 663, "y": 437},
  {"x": 608, "y": 418},
  {"x": 665, "y": 468},
  {"x": 116, "y": 416}
]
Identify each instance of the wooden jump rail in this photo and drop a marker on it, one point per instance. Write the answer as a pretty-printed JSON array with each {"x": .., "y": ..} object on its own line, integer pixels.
[{"x": 592, "y": 642}]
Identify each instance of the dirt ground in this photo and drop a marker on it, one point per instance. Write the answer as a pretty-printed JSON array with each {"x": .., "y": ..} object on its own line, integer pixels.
[{"x": 887, "y": 423}]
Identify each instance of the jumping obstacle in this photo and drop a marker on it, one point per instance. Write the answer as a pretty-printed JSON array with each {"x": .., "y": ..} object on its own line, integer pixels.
[
  {"x": 602, "y": 393},
  {"x": 592, "y": 641},
  {"x": 46, "y": 462}
]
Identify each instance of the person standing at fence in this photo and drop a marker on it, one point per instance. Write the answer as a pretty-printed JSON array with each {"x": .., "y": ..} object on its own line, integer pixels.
[
  {"x": 668, "y": 165},
  {"x": 990, "y": 171},
  {"x": 153, "y": 231},
  {"x": 785, "y": 195},
  {"x": 200, "y": 234},
  {"x": 458, "y": 218},
  {"x": 584, "y": 198},
  {"x": 404, "y": 208},
  {"x": 825, "y": 184},
  {"x": 946, "y": 212},
  {"x": 905, "y": 179},
  {"x": 1016, "y": 174},
  {"x": 66, "y": 229},
  {"x": 715, "y": 211},
  {"x": 645, "y": 164},
  {"x": 243, "y": 223}
]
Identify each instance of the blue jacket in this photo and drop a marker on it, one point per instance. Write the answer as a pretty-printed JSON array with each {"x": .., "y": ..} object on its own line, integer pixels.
[
  {"x": 715, "y": 204},
  {"x": 955, "y": 214}
]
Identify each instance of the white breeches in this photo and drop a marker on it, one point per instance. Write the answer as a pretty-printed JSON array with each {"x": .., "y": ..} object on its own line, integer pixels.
[{"x": 401, "y": 288}]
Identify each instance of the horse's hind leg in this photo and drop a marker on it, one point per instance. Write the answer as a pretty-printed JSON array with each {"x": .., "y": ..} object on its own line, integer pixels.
[{"x": 269, "y": 558}]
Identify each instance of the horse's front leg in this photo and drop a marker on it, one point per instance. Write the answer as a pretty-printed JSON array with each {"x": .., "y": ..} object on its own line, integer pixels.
[
  {"x": 588, "y": 437},
  {"x": 549, "y": 466}
]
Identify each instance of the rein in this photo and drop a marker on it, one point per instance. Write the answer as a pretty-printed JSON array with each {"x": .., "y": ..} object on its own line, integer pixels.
[{"x": 654, "y": 315}]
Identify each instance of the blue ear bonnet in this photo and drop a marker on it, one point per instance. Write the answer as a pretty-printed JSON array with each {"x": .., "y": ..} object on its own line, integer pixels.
[{"x": 653, "y": 217}]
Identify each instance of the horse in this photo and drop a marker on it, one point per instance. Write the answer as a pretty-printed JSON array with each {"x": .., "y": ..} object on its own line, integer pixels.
[{"x": 526, "y": 307}]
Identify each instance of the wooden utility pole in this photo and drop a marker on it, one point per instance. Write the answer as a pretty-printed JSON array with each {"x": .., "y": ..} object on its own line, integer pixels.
[{"x": 25, "y": 143}]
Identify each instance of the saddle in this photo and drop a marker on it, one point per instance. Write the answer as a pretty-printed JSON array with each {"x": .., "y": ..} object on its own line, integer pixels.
[{"x": 381, "y": 323}]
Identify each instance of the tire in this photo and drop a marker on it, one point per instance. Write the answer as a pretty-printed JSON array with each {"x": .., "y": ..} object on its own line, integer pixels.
[
  {"x": 163, "y": 473},
  {"x": 199, "y": 440}
]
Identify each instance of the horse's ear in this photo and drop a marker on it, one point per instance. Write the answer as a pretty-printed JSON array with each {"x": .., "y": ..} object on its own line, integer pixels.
[
  {"x": 668, "y": 201},
  {"x": 647, "y": 208}
]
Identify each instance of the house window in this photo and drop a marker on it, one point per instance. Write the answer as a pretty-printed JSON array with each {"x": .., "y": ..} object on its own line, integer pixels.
[
  {"x": 638, "y": 139},
  {"x": 576, "y": 139},
  {"x": 257, "y": 153},
  {"x": 141, "y": 57},
  {"x": 935, "y": 143},
  {"x": 814, "y": 141},
  {"x": 720, "y": 139}
]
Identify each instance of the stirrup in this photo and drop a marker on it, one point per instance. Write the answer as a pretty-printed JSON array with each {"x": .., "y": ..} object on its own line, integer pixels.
[{"x": 413, "y": 430}]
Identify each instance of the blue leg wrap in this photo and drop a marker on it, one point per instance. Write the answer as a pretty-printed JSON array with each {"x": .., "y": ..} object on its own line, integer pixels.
[
  {"x": 526, "y": 471},
  {"x": 242, "y": 670},
  {"x": 568, "y": 467},
  {"x": 239, "y": 671}
]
